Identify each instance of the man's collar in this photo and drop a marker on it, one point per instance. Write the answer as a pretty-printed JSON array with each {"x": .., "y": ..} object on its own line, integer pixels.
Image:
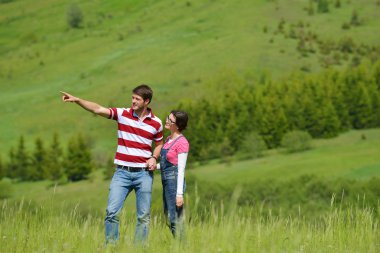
[{"x": 149, "y": 115}]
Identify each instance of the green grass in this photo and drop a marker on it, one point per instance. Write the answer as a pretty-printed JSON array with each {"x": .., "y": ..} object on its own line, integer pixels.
[
  {"x": 347, "y": 156},
  {"x": 174, "y": 47},
  {"x": 69, "y": 218},
  {"x": 44, "y": 229}
]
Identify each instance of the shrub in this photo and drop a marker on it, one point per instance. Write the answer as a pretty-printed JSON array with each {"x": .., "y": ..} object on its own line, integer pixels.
[
  {"x": 347, "y": 45},
  {"x": 355, "y": 19},
  {"x": 253, "y": 145},
  {"x": 323, "y": 6},
  {"x": 345, "y": 26},
  {"x": 74, "y": 16},
  {"x": 296, "y": 141}
]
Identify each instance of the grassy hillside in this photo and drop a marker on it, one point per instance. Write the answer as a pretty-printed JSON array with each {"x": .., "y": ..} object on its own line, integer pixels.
[
  {"x": 173, "y": 46},
  {"x": 347, "y": 156}
]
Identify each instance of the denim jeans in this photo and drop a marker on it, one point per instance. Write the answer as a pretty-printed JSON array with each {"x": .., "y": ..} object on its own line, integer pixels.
[
  {"x": 174, "y": 213},
  {"x": 123, "y": 182}
]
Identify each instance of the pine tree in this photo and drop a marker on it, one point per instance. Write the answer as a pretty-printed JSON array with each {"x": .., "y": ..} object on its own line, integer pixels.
[
  {"x": 293, "y": 105},
  {"x": 310, "y": 111},
  {"x": 78, "y": 163},
  {"x": 376, "y": 74},
  {"x": 273, "y": 123},
  {"x": 54, "y": 159},
  {"x": 233, "y": 133},
  {"x": 2, "y": 169},
  {"x": 22, "y": 160},
  {"x": 12, "y": 165},
  {"x": 361, "y": 111},
  {"x": 38, "y": 169},
  {"x": 328, "y": 124},
  {"x": 340, "y": 106}
]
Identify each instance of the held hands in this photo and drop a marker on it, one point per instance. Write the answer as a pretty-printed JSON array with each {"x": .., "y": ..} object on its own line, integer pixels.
[
  {"x": 68, "y": 97},
  {"x": 151, "y": 164},
  {"x": 179, "y": 201}
]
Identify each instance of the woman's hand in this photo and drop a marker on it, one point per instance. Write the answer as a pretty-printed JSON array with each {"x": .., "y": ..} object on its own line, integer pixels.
[{"x": 179, "y": 201}]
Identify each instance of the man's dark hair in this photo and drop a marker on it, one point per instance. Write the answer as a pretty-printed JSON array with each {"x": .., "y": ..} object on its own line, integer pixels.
[
  {"x": 144, "y": 91},
  {"x": 181, "y": 119}
]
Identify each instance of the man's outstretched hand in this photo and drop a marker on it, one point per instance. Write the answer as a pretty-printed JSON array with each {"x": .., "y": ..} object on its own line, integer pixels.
[{"x": 68, "y": 97}]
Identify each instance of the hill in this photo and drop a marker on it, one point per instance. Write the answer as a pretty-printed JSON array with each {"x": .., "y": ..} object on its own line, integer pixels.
[
  {"x": 348, "y": 156},
  {"x": 173, "y": 46}
]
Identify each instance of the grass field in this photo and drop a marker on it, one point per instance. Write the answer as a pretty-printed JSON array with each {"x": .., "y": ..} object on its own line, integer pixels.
[
  {"x": 348, "y": 156},
  {"x": 45, "y": 229},
  {"x": 174, "y": 46},
  {"x": 69, "y": 218}
]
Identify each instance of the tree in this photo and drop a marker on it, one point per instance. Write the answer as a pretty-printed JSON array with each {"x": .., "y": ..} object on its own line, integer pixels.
[
  {"x": 54, "y": 159},
  {"x": 38, "y": 168},
  {"x": 273, "y": 123},
  {"x": 375, "y": 108},
  {"x": 78, "y": 163},
  {"x": 340, "y": 106},
  {"x": 361, "y": 110},
  {"x": 355, "y": 18},
  {"x": 12, "y": 165},
  {"x": 328, "y": 124},
  {"x": 323, "y": 6},
  {"x": 2, "y": 169},
  {"x": 376, "y": 74},
  {"x": 74, "y": 16},
  {"x": 22, "y": 160},
  {"x": 294, "y": 106}
]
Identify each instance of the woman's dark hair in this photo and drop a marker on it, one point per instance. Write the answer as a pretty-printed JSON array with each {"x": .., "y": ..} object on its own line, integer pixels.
[
  {"x": 144, "y": 91},
  {"x": 180, "y": 119}
]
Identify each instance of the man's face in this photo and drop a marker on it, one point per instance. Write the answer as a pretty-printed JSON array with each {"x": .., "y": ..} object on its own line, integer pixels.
[{"x": 138, "y": 102}]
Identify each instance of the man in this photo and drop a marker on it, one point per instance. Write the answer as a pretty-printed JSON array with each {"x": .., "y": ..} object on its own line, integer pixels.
[{"x": 135, "y": 163}]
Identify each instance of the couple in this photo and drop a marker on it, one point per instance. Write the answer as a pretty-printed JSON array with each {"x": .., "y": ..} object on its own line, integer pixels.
[{"x": 138, "y": 127}]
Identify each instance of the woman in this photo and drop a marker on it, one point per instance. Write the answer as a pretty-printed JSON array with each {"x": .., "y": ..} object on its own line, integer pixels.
[{"x": 173, "y": 162}]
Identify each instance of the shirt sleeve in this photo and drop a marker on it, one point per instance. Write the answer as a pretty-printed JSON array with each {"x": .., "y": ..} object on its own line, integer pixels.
[
  {"x": 183, "y": 146},
  {"x": 182, "y": 158},
  {"x": 159, "y": 135},
  {"x": 113, "y": 113}
]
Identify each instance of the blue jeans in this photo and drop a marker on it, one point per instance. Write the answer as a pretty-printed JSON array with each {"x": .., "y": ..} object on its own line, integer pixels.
[
  {"x": 123, "y": 182},
  {"x": 175, "y": 214}
]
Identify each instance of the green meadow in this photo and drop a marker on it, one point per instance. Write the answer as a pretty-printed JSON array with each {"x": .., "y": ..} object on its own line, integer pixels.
[
  {"x": 176, "y": 47},
  {"x": 324, "y": 199},
  {"x": 42, "y": 216}
]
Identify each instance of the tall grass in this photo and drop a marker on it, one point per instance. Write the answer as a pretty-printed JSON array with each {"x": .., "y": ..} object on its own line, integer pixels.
[{"x": 28, "y": 228}]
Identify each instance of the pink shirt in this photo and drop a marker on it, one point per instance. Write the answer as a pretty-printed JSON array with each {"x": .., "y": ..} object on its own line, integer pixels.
[{"x": 180, "y": 146}]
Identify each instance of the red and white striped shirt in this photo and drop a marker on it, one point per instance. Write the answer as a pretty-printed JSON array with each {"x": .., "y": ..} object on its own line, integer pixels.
[{"x": 135, "y": 136}]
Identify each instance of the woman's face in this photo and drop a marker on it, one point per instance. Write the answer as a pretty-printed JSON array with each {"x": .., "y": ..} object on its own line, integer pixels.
[{"x": 170, "y": 122}]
